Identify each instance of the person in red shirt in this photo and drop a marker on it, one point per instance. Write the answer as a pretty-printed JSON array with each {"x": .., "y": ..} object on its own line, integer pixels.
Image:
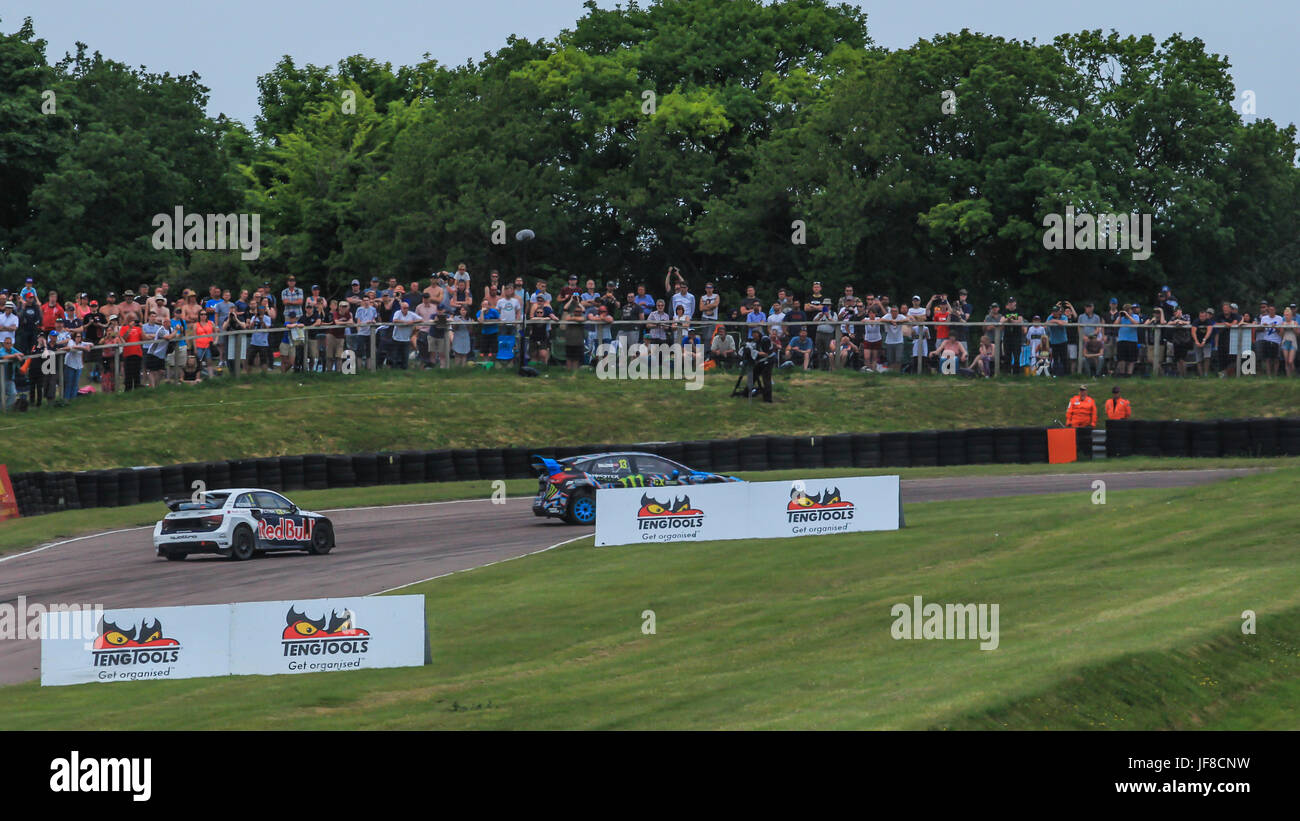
[
  {"x": 205, "y": 330},
  {"x": 132, "y": 354},
  {"x": 51, "y": 311}
]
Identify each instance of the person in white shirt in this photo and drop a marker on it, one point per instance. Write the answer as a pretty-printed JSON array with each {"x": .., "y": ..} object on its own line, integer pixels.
[
  {"x": 709, "y": 303},
  {"x": 1270, "y": 339},
  {"x": 684, "y": 298},
  {"x": 920, "y": 333},
  {"x": 76, "y": 348},
  {"x": 404, "y": 322},
  {"x": 8, "y": 322}
]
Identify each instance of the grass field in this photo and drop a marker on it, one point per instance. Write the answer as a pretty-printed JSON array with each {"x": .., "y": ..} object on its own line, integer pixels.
[
  {"x": 271, "y": 415},
  {"x": 20, "y": 534},
  {"x": 1123, "y": 615}
]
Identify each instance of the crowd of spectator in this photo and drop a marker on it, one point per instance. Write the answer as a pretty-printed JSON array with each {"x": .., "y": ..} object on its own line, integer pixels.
[{"x": 155, "y": 336}]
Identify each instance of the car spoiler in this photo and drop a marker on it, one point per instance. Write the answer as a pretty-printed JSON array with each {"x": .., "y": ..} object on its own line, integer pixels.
[
  {"x": 174, "y": 503},
  {"x": 546, "y": 466}
]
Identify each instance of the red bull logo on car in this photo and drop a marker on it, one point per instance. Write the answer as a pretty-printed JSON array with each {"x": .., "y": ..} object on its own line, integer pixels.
[{"x": 285, "y": 530}]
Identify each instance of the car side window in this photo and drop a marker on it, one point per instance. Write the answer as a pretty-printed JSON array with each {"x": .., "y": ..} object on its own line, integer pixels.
[
  {"x": 272, "y": 501},
  {"x": 245, "y": 500},
  {"x": 653, "y": 464},
  {"x": 608, "y": 468}
]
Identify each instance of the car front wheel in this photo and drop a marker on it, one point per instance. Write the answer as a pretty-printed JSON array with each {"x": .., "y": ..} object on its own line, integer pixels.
[{"x": 322, "y": 540}]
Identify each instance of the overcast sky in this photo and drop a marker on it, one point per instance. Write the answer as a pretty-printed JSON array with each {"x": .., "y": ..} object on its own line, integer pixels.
[{"x": 230, "y": 43}]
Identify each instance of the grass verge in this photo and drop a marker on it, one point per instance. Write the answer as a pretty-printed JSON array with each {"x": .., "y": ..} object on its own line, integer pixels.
[
  {"x": 1123, "y": 608},
  {"x": 272, "y": 414}
]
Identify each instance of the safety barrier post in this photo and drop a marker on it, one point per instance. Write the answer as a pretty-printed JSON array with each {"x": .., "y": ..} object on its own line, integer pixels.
[{"x": 370, "y": 363}]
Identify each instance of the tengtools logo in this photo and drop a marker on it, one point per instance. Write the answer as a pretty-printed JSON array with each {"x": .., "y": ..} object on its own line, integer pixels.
[
  {"x": 116, "y": 646},
  {"x": 828, "y": 507},
  {"x": 316, "y": 637},
  {"x": 657, "y": 515},
  {"x": 285, "y": 530}
]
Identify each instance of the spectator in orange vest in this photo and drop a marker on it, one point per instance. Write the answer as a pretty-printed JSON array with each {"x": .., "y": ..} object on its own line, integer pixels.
[
  {"x": 1117, "y": 407},
  {"x": 1082, "y": 412}
]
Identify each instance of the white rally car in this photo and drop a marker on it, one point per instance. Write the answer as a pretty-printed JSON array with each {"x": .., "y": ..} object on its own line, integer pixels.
[{"x": 239, "y": 523}]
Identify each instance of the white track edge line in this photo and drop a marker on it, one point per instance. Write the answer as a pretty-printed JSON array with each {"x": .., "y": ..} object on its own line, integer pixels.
[{"x": 480, "y": 566}]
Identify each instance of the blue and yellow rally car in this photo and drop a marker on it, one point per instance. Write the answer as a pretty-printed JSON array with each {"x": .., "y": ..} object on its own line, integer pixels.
[{"x": 567, "y": 487}]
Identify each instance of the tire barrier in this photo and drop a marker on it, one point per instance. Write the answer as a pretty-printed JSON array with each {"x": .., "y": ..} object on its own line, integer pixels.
[
  {"x": 315, "y": 472},
  {"x": 866, "y": 450},
  {"x": 838, "y": 451},
  {"x": 51, "y": 491},
  {"x": 780, "y": 453},
  {"x": 269, "y": 475},
  {"x": 491, "y": 464},
  {"x": 1033, "y": 445},
  {"x": 753, "y": 453},
  {"x": 339, "y": 471},
  {"x": 725, "y": 456},
  {"x": 365, "y": 468},
  {"x": 924, "y": 448},
  {"x": 291, "y": 476},
  {"x": 894, "y": 450}
]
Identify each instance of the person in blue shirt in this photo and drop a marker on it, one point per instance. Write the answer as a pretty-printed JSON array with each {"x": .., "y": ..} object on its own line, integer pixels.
[
  {"x": 1062, "y": 313},
  {"x": 1127, "y": 341},
  {"x": 488, "y": 332},
  {"x": 176, "y": 357}
]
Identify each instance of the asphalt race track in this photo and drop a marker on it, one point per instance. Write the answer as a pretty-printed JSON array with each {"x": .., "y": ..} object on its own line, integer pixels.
[{"x": 381, "y": 548}]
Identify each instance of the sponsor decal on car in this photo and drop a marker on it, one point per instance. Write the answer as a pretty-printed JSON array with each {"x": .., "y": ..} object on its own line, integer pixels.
[
  {"x": 285, "y": 530},
  {"x": 337, "y": 635},
  {"x": 117, "y": 646}
]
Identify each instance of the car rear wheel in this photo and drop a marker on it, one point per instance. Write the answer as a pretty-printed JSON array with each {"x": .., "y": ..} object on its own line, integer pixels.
[
  {"x": 322, "y": 540},
  {"x": 582, "y": 508},
  {"x": 241, "y": 545}
]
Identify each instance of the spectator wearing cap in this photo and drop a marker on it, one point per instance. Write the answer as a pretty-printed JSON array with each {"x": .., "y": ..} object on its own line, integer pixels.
[
  {"x": 29, "y": 323},
  {"x": 1082, "y": 411},
  {"x": 1117, "y": 407},
  {"x": 920, "y": 333},
  {"x": 354, "y": 294},
  {"x": 29, "y": 288},
  {"x": 571, "y": 287},
  {"x": 8, "y": 322},
  {"x": 81, "y": 308},
  {"x": 292, "y": 299}
]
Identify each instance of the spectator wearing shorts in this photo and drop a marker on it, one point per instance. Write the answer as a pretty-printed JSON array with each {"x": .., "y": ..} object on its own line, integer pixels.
[
  {"x": 204, "y": 340},
  {"x": 1270, "y": 340},
  {"x": 894, "y": 322},
  {"x": 156, "y": 337}
]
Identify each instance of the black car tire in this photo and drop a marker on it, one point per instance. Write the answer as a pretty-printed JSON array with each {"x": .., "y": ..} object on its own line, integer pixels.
[
  {"x": 322, "y": 540},
  {"x": 242, "y": 546}
]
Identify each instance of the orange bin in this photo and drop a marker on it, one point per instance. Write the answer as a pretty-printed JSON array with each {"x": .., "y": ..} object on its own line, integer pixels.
[{"x": 1061, "y": 445}]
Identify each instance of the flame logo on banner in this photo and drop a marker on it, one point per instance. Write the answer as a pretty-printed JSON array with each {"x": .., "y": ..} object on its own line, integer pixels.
[
  {"x": 800, "y": 500},
  {"x": 679, "y": 507},
  {"x": 338, "y": 625}
]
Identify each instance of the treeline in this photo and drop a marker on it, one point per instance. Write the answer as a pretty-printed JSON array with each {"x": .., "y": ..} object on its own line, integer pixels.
[{"x": 707, "y": 134}]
